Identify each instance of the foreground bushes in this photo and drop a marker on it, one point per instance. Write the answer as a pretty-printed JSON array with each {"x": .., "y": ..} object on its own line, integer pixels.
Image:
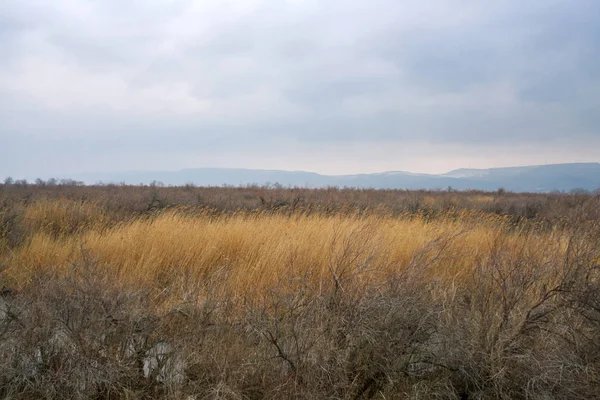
[
  {"x": 516, "y": 326},
  {"x": 247, "y": 293}
]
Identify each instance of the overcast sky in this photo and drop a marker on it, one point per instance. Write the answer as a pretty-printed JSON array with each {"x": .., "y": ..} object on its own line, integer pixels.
[{"x": 332, "y": 86}]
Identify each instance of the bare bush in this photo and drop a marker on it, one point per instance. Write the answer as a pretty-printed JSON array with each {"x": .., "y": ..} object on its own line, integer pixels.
[{"x": 520, "y": 319}]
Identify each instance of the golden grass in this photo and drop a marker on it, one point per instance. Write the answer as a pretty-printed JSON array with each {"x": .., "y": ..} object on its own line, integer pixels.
[
  {"x": 247, "y": 253},
  {"x": 63, "y": 217},
  {"x": 292, "y": 300}
]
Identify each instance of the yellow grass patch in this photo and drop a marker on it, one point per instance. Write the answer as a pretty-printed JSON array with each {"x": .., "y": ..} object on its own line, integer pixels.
[{"x": 246, "y": 253}]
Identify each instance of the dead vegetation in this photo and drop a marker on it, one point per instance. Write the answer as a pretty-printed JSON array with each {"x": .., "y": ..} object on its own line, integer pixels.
[{"x": 343, "y": 294}]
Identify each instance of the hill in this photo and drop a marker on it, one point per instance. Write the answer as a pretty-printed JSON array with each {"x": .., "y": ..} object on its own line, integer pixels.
[{"x": 540, "y": 178}]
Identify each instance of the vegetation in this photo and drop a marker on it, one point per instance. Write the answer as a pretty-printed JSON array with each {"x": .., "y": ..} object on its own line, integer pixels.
[{"x": 250, "y": 293}]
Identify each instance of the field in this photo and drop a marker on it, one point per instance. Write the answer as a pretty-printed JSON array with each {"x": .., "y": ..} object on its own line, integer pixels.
[{"x": 138, "y": 292}]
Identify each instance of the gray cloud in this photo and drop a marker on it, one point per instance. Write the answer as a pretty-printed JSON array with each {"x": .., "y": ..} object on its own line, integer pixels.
[{"x": 81, "y": 82}]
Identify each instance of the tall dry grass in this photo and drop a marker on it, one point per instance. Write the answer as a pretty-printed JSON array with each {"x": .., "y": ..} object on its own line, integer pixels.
[
  {"x": 176, "y": 249},
  {"x": 285, "y": 302}
]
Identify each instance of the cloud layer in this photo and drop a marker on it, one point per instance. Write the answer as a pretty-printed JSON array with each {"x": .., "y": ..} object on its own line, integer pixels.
[{"x": 334, "y": 87}]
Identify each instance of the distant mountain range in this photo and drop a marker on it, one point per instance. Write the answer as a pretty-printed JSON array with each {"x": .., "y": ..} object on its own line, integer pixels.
[{"x": 540, "y": 178}]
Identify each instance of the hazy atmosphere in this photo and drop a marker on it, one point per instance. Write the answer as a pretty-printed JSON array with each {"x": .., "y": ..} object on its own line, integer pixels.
[{"x": 335, "y": 87}]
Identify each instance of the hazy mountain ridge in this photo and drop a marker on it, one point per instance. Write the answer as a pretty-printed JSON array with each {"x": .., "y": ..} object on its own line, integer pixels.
[{"x": 540, "y": 178}]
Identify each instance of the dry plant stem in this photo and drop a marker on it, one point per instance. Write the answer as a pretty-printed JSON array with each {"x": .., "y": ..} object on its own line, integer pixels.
[{"x": 250, "y": 293}]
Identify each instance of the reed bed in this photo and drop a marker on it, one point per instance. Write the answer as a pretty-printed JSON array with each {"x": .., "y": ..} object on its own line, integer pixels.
[
  {"x": 446, "y": 299},
  {"x": 178, "y": 249}
]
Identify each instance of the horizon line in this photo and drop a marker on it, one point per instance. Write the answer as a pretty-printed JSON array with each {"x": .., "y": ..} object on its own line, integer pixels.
[{"x": 63, "y": 175}]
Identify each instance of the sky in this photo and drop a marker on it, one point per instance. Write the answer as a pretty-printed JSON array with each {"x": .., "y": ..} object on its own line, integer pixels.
[{"x": 331, "y": 86}]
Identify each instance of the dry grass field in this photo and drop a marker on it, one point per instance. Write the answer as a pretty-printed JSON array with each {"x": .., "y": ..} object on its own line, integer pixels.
[{"x": 249, "y": 293}]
